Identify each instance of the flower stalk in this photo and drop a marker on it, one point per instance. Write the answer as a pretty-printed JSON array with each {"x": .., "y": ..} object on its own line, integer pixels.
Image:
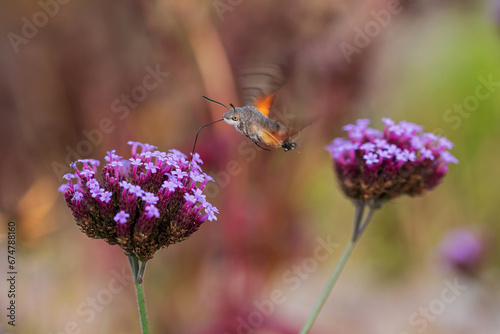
[
  {"x": 359, "y": 227},
  {"x": 138, "y": 274}
]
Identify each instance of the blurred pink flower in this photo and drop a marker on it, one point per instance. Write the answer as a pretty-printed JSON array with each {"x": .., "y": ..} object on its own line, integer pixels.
[{"x": 462, "y": 250}]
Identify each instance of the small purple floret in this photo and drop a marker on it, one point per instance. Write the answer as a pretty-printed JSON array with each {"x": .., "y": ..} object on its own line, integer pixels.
[{"x": 121, "y": 217}]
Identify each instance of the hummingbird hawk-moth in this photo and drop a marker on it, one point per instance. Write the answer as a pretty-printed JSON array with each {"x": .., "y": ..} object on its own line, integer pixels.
[{"x": 252, "y": 120}]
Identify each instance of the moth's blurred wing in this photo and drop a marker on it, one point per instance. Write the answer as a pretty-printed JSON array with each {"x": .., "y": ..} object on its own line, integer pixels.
[
  {"x": 269, "y": 139},
  {"x": 263, "y": 103},
  {"x": 259, "y": 83},
  {"x": 275, "y": 138}
]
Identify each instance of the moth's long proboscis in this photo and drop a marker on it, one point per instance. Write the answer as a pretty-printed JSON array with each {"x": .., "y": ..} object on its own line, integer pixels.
[{"x": 196, "y": 138}]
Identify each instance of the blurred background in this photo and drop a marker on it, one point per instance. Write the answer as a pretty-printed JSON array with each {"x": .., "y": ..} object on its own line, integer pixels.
[{"x": 79, "y": 78}]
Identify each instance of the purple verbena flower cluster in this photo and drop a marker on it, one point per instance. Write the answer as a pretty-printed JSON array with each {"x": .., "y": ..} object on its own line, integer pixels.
[
  {"x": 145, "y": 203},
  {"x": 379, "y": 166}
]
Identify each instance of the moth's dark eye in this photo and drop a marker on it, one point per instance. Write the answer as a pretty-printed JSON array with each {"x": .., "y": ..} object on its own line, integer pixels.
[{"x": 235, "y": 118}]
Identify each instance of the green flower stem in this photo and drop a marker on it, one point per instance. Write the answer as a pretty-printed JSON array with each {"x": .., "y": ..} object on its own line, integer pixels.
[
  {"x": 365, "y": 223},
  {"x": 358, "y": 217},
  {"x": 359, "y": 227},
  {"x": 138, "y": 273},
  {"x": 329, "y": 287},
  {"x": 142, "y": 308},
  {"x": 134, "y": 265}
]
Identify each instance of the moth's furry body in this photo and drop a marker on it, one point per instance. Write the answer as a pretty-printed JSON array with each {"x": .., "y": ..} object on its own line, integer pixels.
[{"x": 249, "y": 121}]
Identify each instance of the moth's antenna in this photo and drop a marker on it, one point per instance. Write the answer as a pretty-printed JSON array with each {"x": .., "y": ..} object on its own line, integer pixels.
[
  {"x": 232, "y": 106},
  {"x": 196, "y": 138},
  {"x": 222, "y": 104}
]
